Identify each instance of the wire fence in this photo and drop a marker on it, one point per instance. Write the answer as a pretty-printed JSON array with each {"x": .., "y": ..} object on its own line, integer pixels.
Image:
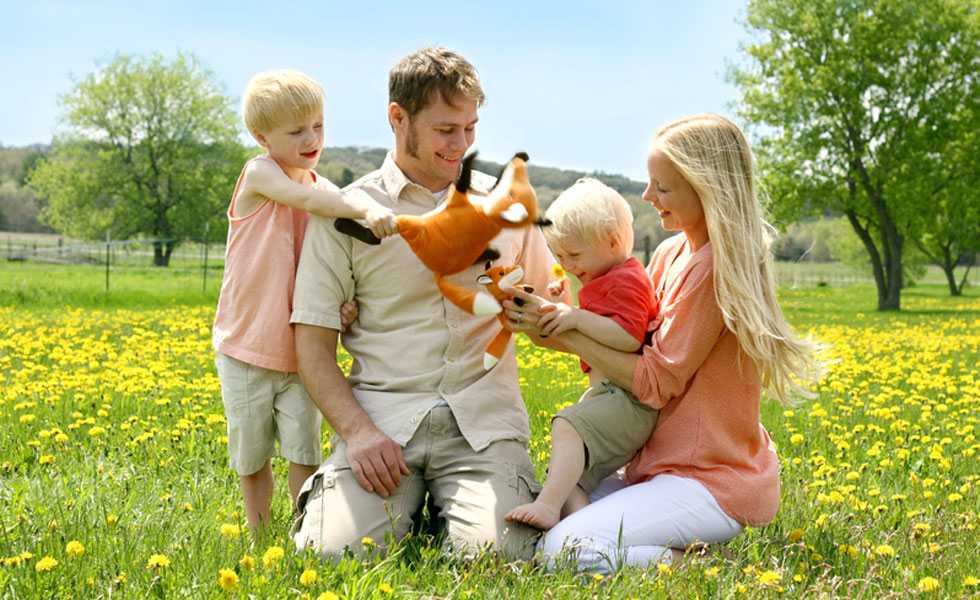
[
  {"x": 210, "y": 256},
  {"x": 118, "y": 253},
  {"x": 114, "y": 254}
]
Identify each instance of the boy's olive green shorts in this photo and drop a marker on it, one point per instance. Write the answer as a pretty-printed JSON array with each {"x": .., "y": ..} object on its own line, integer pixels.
[{"x": 613, "y": 426}]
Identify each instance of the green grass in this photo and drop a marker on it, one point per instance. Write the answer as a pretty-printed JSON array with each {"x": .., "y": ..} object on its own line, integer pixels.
[
  {"x": 41, "y": 285},
  {"x": 112, "y": 437}
]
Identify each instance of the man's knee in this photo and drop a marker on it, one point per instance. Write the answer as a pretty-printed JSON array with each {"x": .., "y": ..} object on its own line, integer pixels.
[{"x": 338, "y": 516}]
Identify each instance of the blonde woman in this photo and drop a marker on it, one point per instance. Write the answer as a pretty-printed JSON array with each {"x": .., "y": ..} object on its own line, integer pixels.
[{"x": 709, "y": 469}]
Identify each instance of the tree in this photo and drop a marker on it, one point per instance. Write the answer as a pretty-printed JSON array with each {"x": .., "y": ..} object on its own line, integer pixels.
[
  {"x": 863, "y": 106},
  {"x": 948, "y": 231},
  {"x": 150, "y": 149}
]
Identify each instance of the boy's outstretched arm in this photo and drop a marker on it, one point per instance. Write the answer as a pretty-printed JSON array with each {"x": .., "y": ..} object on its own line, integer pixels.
[
  {"x": 265, "y": 179},
  {"x": 604, "y": 330}
]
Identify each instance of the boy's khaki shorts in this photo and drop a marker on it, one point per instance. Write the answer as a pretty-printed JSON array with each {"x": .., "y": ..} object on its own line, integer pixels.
[
  {"x": 613, "y": 426},
  {"x": 264, "y": 406}
]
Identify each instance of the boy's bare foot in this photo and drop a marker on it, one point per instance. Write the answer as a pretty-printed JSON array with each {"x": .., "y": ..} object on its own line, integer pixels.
[{"x": 535, "y": 514}]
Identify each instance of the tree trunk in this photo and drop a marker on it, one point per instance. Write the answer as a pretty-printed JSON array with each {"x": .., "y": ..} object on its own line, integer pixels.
[
  {"x": 969, "y": 265},
  {"x": 162, "y": 252},
  {"x": 890, "y": 297}
]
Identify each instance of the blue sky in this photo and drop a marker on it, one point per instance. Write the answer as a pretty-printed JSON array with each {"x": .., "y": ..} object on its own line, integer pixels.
[{"x": 577, "y": 84}]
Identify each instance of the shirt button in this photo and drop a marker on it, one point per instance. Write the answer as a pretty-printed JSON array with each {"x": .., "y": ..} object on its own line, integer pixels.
[{"x": 415, "y": 420}]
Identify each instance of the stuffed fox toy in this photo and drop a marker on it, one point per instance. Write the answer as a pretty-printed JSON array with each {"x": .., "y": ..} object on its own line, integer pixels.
[
  {"x": 496, "y": 278},
  {"x": 457, "y": 235}
]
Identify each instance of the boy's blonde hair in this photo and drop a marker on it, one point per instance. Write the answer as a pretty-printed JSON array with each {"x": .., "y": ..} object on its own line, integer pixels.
[
  {"x": 416, "y": 77},
  {"x": 272, "y": 97},
  {"x": 712, "y": 154},
  {"x": 591, "y": 212}
]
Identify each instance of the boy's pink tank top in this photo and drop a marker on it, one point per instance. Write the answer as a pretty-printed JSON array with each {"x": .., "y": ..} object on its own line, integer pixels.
[{"x": 252, "y": 320}]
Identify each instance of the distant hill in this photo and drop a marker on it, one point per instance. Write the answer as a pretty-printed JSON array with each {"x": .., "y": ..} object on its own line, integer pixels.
[{"x": 19, "y": 208}]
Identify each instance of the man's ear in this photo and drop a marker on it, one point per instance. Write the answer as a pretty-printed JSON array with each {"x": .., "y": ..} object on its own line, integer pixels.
[{"x": 397, "y": 117}]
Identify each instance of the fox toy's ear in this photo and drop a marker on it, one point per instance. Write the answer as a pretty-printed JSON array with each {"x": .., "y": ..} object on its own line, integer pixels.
[{"x": 463, "y": 183}]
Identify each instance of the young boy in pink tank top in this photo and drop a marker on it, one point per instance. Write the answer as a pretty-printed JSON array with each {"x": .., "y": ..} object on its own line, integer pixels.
[{"x": 264, "y": 399}]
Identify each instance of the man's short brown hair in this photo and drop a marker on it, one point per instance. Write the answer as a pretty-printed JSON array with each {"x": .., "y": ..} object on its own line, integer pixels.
[{"x": 414, "y": 78}]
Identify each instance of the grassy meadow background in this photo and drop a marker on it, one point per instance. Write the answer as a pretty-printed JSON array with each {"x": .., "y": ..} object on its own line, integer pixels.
[{"x": 114, "y": 480}]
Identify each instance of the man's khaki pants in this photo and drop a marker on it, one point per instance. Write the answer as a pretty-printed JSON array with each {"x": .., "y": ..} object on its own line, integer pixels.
[{"x": 471, "y": 490}]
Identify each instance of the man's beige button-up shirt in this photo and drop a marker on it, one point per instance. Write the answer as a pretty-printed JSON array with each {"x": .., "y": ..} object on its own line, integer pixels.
[{"x": 411, "y": 347}]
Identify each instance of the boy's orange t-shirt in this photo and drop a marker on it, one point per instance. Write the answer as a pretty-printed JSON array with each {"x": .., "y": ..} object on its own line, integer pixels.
[
  {"x": 252, "y": 320},
  {"x": 707, "y": 391}
]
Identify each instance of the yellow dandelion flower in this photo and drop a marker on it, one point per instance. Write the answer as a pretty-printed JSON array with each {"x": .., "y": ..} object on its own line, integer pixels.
[
  {"x": 598, "y": 577},
  {"x": 971, "y": 581},
  {"x": 928, "y": 584},
  {"x": 227, "y": 579},
  {"x": 272, "y": 556},
  {"x": 247, "y": 562},
  {"x": 769, "y": 577},
  {"x": 796, "y": 438},
  {"x": 74, "y": 548},
  {"x": 309, "y": 576},
  {"x": 46, "y": 459},
  {"x": 885, "y": 550},
  {"x": 366, "y": 541},
  {"x": 557, "y": 271},
  {"x": 121, "y": 578},
  {"x": 45, "y": 564},
  {"x": 157, "y": 561},
  {"x": 795, "y": 535},
  {"x": 96, "y": 431},
  {"x": 230, "y": 530},
  {"x": 384, "y": 587},
  {"x": 328, "y": 596}
]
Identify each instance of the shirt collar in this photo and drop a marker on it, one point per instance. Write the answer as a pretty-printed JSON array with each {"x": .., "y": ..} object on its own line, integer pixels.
[{"x": 395, "y": 181}]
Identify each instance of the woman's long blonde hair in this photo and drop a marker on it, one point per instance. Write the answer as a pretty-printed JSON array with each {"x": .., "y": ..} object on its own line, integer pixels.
[{"x": 712, "y": 154}]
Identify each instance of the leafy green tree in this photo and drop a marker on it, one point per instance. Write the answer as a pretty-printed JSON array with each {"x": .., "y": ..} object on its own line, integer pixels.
[
  {"x": 150, "y": 149},
  {"x": 861, "y": 106},
  {"x": 948, "y": 233}
]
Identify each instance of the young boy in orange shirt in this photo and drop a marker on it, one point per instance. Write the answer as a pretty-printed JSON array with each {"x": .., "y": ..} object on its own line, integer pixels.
[{"x": 591, "y": 236}]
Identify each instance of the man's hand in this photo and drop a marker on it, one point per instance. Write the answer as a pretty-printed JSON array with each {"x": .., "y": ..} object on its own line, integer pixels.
[
  {"x": 348, "y": 313},
  {"x": 376, "y": 461}
]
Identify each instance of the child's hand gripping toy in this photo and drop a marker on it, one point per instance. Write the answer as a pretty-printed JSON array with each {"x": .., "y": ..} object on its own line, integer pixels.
[{"x": 457, "y": 235}]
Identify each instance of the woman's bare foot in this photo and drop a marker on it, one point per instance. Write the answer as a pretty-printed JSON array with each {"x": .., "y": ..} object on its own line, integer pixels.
[{"x": 536, "y": 514}]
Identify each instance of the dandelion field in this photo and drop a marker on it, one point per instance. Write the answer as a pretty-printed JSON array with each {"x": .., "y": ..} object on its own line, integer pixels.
[{"x": 114, "y": 480}]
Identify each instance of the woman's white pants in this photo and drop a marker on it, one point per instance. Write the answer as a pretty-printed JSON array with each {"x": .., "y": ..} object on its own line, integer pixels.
[{"x": 638, "y": 525}]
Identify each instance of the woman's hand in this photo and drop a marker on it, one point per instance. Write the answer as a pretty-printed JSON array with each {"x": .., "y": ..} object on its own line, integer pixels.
[{"x": 525, "y": 310}]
